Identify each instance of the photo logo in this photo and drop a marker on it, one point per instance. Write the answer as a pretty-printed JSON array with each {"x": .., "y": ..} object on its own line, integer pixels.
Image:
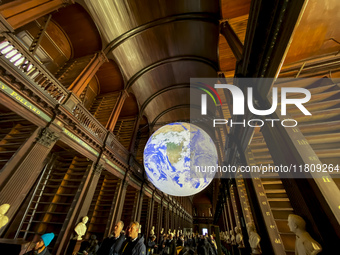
[
  {"x": 207, "y": 88},
  {"x": 240, "y": 100}
]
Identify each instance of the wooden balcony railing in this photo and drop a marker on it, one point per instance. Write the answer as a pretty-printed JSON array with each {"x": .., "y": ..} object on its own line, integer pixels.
[
  {"x": 117, "y": 148},
  {"x": 15, "y": 54},
  {"x": 89, "y": 122},
  {"x": 136, "y": 167}
]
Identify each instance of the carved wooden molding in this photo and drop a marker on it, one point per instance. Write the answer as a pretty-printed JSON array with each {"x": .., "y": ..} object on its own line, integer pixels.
[
  {"x": 47, "y": 137},
  {"x": 98, "y": 169}
]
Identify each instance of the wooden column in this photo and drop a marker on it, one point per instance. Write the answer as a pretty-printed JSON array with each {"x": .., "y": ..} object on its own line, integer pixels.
[
  {"x": 225, "y": 219},
  {"x": 132, "y": 146},
  {"x": 240, "y": 219},
  {"x": 87, "y": 74},
  {"x": 111, "y": 220},
  {"x": 218, "y": 239},
  {"x": 70, "y": 221},
  {"x": 116, "y": 111},
  {"x": 233, "y": 223},
  {"x": 160, "y": 220},
  {"x": 149, "y": 216},
  {"x": 90, "y": 191},
  {"x": 246, "y": 210},
  {"x": 10, "y": 166},
  {"x": 175, "y": 220},
  {"x": 233, "y": 41},
  {"x": 171, "y": 218},
  {"x": 139, "y": 204},
  {"x": 120, "y": 199},
  {"x": 18, "y": 13},
  {"x": 27, "y": 171},
  {"x": 167, "y": 223}
]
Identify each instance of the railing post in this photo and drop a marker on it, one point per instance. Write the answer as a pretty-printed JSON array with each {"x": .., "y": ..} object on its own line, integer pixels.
[{"x": 71, "y": 102}]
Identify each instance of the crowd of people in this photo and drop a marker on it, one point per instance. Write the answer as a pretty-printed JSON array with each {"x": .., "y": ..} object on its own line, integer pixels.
[
  {"x": 131, "y": 242},
  {"x": 184, "y": 245}
]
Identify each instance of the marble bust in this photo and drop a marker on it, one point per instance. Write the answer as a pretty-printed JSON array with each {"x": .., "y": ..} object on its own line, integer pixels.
[
  {"x": 227, "y": 237},
  {"x": 304, "y": 244},
  {"x": 254, "y": 239},
  {"x": 80, "y": 229},
  {"x": 3, "y": 218},
  {"x": 232, "y": 237},
  {"x": 239, "y": 237}
]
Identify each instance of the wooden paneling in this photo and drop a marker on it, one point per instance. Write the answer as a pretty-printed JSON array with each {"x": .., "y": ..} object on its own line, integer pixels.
[
  {"x": 313, "y": 35},
  {"x": 109, "y": 77},
  {"x": 80, "y": 28},
  {"x": 130, "y": 107},
  {"x": 234, "y": 8},
  {"x": 54, "y": 42},
  {"x": 239, "y": 25}
]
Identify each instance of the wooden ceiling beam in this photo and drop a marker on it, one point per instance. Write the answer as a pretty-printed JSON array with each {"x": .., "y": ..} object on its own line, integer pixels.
[
  {"x": 233, "y": 40},
  {"x": 205, "y": 17},
  {"x": 180, "y": 106},
  {"x": 169, "y": 88},
  {"x": 148, "y": 68}
]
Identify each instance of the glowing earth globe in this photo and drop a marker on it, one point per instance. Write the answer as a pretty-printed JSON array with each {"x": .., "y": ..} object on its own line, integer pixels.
[{"x": 174, "y": 156}]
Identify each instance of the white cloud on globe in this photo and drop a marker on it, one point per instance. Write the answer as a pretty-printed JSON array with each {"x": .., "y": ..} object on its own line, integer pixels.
[{"x": 172, "y": 154}]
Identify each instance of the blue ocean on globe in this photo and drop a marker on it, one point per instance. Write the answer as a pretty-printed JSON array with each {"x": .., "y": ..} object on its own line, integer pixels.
[{"x": 172, "y": 156}]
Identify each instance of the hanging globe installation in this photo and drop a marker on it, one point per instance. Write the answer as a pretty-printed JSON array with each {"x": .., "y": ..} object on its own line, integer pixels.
[{"x": 173, "y": 155}]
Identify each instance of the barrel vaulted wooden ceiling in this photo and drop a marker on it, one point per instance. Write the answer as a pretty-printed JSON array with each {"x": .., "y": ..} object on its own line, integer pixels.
[{"x": 159, "y": 46}]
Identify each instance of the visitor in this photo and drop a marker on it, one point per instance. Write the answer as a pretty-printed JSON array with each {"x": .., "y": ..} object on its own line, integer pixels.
[
  {"x": 134, "y": 245},
  {"x": 180, "y": 241},
  {"x": 41, "y": 245},
  {"x": 202, "y": 246},
  {"x": 151, "y": 245},
  {"x": 112, "y": 245},
  {"x": 171, "y": 244},
  {"x": 162, "y": 245},
  {"x": 93, "y": 246}
]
